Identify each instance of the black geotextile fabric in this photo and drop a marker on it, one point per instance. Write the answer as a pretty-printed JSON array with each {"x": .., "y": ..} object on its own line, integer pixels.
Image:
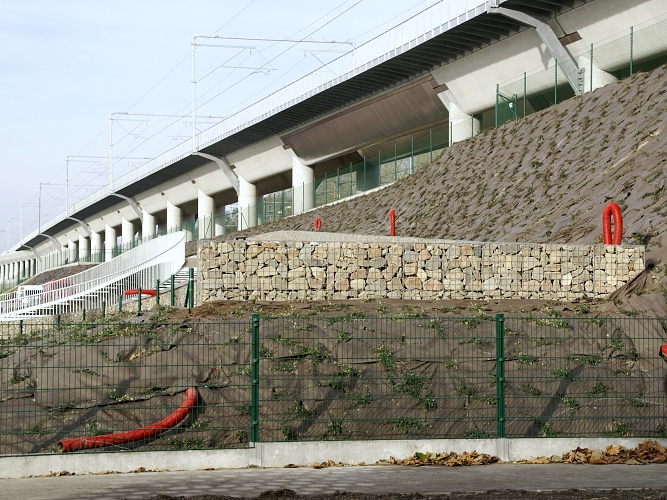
[{"x": 333, "y": 378}]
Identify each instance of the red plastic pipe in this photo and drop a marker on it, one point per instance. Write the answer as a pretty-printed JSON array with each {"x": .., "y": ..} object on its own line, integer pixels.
[
  {"x": 149, "y": 431},
  {"x": 134, "y": 291},
  {"x": 612, "y": 210},
  {"x": 392, "y": 222},
  {"x": 318, "y": 224}
]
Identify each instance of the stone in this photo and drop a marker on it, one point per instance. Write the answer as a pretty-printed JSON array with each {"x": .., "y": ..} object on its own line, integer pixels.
[
  {"x": 343, "y": 285},
  {"x": 410, "y": 269},
  {"x": 410, "y": 256},
  {"x": 358, "y": 284},
  {"x": 379, "y": 285},
  {"x": 359, "y": 274},
  {"x": 433, "y": 285},
  {"x": 424, "y": 255},
  {"x": 297, "y": 284},
  {"x": 378, "y": 262},
  {"x": 413, "y": 283}
]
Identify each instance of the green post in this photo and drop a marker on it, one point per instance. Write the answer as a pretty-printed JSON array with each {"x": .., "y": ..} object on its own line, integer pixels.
[
  {"x": 450, "y": 122},
  {"x": 120, "y": 301},
  {"x": 254, "y": 391},
  {"x": 58, "y": 320},
  {"x": 139, "y": 299},
  {"x": 500, "y": 374},
  {"x": 632, "y": 48},
  {"x": 338, "y": 183},
  {"x": 173, "y": 292},
  {"x": 157, "y": 292},
  {"x": 104, "y": 309},
  {"x": 591, "y": 67},
  {"x": 21, "y": 327},
  {"x": 525, "y": 93},
  {"x": 191, "y": 288},
  {"x": 556, "y": 83},
  {"x": 83, "y": 314},
  {"x": 430, "y": 144},
  {"x": 364, "y": 173}
]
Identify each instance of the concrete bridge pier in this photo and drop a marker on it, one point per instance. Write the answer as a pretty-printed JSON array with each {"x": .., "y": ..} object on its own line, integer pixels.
[
  {"x": 462, "y": 126},
  {"x": 600, "y": 77},
  {"x": 110, "y": 238},
  {"x": 96, "y": 244},
  {"x": 147, "y": 225},
  {"x": 127, "y": 232},
  {"x": 84, "y": 247},
  {"x": 220, "y": 220},
  {"x": 303, "y": 178},
  {"x": 174, "y": 217},
  {"x": 206, "y": 211},
  {"x": 72, "y": 250},
  {"x": 247, "y": 204}
]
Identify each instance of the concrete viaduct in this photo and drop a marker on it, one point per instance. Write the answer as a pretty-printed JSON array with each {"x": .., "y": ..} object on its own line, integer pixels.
[{"x": 437, "y": 69}]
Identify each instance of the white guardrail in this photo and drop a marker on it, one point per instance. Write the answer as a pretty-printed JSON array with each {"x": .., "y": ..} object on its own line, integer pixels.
[
  {"x": 420, "y": 28},
  {"x": 140, "y": 267}
]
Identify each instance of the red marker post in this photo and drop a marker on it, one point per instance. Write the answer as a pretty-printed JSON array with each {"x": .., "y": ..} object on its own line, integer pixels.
[
  {"x": 612, "y": 210},
  {"x": 392, "y": 222},
  {"x": 318, "y": 224}
]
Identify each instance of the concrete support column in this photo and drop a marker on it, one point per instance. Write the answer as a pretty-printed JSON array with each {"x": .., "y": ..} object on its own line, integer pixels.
[
  {"x": 462, "y": 126},
  {"x": 220, "y": 221},
  {"x": 368, "y": 176},
  {"x": 247, "y": 204},
  {"x": 72, "y": 251},
  {"x": 302, "y": 181},
  {"x": 84, "y": 248},
  {"x": 22, "y": 269},
  {"x": 2, "y": 272},
  {"x": 110, "y": 238},
  {"x": 95, "y": 246},
  {"x": 127, "y": 232},
  {"x": 189, "y": 227},
  {"x": 206, "y": 212},
  {"x": 15, "y": 270},
  {"x": 147, "y": 226},
  {"x": 600, "y": 77},
  {"x": 174, "y": 217}
]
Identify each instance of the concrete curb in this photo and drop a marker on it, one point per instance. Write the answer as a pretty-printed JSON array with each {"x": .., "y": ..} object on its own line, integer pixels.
[{"x": 279, "y": 454}]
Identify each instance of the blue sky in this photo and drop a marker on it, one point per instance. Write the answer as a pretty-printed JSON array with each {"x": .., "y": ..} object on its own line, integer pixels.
[{"x": 66, "y": 65}]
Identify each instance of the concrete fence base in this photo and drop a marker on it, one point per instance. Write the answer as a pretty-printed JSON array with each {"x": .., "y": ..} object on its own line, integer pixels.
[{"x": 299, "y": 453}]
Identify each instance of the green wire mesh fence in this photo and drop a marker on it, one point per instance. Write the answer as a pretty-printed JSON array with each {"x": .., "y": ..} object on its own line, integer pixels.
[
  {"x": 641, "y": 48},
  {"x": 346, "y": 377}
]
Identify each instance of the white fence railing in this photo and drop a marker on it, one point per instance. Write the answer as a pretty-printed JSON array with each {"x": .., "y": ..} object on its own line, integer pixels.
[{"x": 140, "y": 267}]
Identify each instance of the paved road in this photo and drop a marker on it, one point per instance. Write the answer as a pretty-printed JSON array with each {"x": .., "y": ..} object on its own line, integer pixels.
[{"x": 306, "y": 481}]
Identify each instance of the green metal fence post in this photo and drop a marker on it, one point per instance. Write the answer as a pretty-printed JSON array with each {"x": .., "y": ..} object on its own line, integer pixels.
[
  {"x": 632, "y": 48},
  {"x": 120, "y": 301},
  {"x": 500, "y": 374},
  {"x": 157, "y": 292},
  {"x": 450, "y": 122},
  {"x": 525, "y": 93},
  {"x": 104, "y": 309},
  {"x": 83, "y": 314},
  {"x": 139, "y": 299},
  {"x": 591, "y": 78},
  {"x": 254, "y": 391},
  {"x": 364, "y": 173},
  {"x": 556, "y": 83},
  {"x": 430, "y": 144},
  {"x": 173, "y": 292},
  {"x": 21, "y": 327},
  {"x": 191, "y": 288}
]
